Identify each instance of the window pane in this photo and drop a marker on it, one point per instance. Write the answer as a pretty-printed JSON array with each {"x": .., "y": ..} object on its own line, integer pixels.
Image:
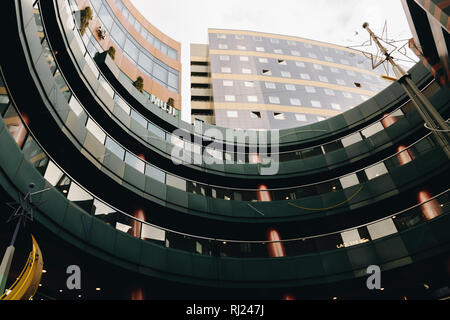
[
  {"x": 135, "y": 162},
  {"x": 146, "y": 63},
  {"x": 115, "y": 148},
  {"x": 106, "y": 18},
  {"x": 131, "y": 50},
  {"x": 155, "y": 173}
]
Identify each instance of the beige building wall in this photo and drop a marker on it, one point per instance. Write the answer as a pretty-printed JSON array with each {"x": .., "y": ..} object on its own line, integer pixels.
[{"x": 202, "y": 107}]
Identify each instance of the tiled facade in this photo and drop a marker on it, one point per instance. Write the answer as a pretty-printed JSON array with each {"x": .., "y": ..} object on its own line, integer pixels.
[{"x": 267, "y": 81}]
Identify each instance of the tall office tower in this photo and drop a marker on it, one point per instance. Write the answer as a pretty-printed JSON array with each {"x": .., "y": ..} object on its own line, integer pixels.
[
  {"x": 430, "y": 25},
  {"x": 269, "y": 81},
  {"x": 365, "y": 188},
  {"x": 201, "y": 92}
]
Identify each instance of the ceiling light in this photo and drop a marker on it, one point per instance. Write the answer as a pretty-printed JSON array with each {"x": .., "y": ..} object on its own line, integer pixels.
[
  {"x": 98, "y": 289},
  {"x": 44, "y": 271}
]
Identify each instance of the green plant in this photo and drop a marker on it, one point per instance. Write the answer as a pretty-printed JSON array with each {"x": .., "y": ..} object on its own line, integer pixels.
[
  {"x": 112, "y": 52},
  {"x": 86, "y": 17},
  {"x": 139, "y": 84}
]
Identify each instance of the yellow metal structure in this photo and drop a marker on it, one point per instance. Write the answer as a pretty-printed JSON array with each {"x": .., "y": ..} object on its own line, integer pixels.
[{"x": 26, "y": 285}]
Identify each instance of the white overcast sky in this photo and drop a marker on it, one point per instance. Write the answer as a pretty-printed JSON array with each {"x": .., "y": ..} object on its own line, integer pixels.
[{"x": 333, "y": 21}]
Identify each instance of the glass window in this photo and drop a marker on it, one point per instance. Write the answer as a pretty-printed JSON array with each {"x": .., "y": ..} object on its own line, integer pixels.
[
  {"x": 172, "y": 54},
  {"x": 140, "y": 119},
  {"x": 260, "y": 49},
  {"x": 382, "y": 229},
  {"x": 135, "y": 162},
  {"x": 336, "y": 106},
  {"x": 96, "y": 131},
  {"x": 341, "y": 82},
  {"x": 349, "y": 181},
  {"x": 376, "y": 171},
  {"x": 121, "y": 103},
  {"x": 106, "y": 18},
  {"x": 316, "y": 104},
  {"x": 290, "y": 87},
  {"x": 76, "y": 193},
  {"x": 223, "y": 46},
  {"x": 373, "y": 129},
  {"x": 317, "y": 66},
  {"x": 246, "y": 71},
  {"x": 348, "y": 95},
  {"x": 156, "y": 131},
  {"x": 224, "y": 58},
  {"x": 279, "y": 116},
  {"x": 131, "y": 50},
  {"x": 305, "y": 76},
  {"x": 270, "y": 85},
  {"x": 249, "y": 84},
  {"x": 354, "y": 138},
  {"x": 173, "y": 80},
  {"x": 226, "y": 70},
  {"x": 155, "y": 173},
  {"x": 106, "y": 86},
  {"x": 115, "y": 148},
  {"x": 335, "y": 70},
  {"x": 75, "y": 106},
  {"x": 252, "y": 99},
  {"x": 146, "y": 63},
  {"x": 101, "y": 208},
  {"x": 312, "y": 55},
  {"x": 228, "y": 83},
  {"x": 295, "y": 53},
  {"x": 239, "y": 47},
  {"x": 160, "y": 73},
  {"x": 279, "y": 51},
  {"x": 157, "y": 43},
  {"x": 296, "y": 102},
  {"x": 285, "y": 74},
  {"x": 329, "y": 92},
  {"x": 243, "y": 58},
  {"x": 323, "y": 78},
  {"x": 263, "y": 60},
  {"x": 300, "y": 117},
  {"x": 53, "y": 174},
  {"x": 176, "y": 182},
  {"x": 275, "y": 100},
  {"x": 118, "y": 35},
  {"x": 230, "y": 98},
  {"x": 163, "y": 48},
  {"x": 310, "y": 89}
]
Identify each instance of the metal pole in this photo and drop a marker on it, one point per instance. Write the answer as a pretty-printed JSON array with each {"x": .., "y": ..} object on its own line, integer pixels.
[{"x": 432, "y": 118}]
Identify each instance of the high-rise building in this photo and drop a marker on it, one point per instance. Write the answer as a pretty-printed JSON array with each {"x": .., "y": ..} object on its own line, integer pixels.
[
  {"x": 360, "y": 193},
  {"x": 270, "y": 81}
]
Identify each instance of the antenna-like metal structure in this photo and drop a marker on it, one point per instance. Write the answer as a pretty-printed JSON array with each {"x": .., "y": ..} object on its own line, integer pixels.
[
  {"x": 433, "y": 119},
  {"x": 23, "y": 211}
]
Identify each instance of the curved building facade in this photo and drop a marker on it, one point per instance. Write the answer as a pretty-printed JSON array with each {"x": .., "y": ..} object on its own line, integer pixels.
[{"x": 297, "y": 214}]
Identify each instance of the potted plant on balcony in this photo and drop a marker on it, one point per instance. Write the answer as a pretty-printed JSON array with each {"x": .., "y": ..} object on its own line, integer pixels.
[
  {"x": 86, "y": 17},
  {"x": 139, "y": 84},
  {"x": 112, "y": 52}
]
